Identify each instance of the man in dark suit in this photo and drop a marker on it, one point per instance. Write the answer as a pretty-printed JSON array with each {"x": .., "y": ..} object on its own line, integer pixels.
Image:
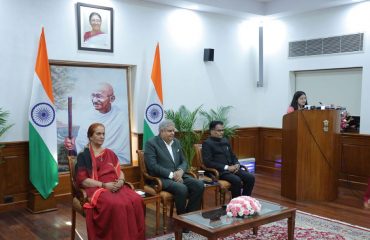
[
  {"x": 217, "y": 153},
  {"x": 164, "y": 159}
]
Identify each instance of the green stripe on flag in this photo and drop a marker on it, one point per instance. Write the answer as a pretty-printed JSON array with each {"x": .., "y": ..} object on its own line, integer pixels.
[
  {"x": 43, "y": 167},
  {"x": 148, "y": 133}
]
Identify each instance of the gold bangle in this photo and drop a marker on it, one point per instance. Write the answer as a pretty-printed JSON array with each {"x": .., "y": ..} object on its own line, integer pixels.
[{"x": 102, "y": 185}]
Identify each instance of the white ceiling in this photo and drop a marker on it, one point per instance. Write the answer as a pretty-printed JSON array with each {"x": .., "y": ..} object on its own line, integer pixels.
[{"x": 250, "y": 8}]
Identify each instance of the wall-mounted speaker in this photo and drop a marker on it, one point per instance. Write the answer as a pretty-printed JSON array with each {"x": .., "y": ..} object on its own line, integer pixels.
[{"x": 208, "y": 55}]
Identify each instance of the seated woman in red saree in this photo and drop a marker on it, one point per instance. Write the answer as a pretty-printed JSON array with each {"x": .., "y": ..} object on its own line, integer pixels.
[
  {"x": 114, "y": 210},
  {"x": 367, "y": 196}
]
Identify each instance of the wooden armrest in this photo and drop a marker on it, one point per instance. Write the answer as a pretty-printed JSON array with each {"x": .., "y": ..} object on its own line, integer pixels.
[
  {"x": 191, "y": 174},
  {"x": 158, "y": 183},
  {"x": 211, "y": 170},
  {"x": 130, "y": 185},
  {"x": 81, "y": 196}
]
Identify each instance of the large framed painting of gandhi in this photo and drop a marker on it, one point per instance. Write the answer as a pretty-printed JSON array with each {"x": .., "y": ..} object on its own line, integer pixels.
[
  {"x": 86, "y": 93},
  {"x": 94, "y": 27}
]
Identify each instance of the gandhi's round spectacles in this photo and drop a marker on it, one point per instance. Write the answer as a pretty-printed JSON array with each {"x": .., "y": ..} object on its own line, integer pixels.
[{"x": 99, "y": 96}]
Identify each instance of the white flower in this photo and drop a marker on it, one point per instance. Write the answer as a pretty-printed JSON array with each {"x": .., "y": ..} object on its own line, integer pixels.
[{"x": 242, "y": 206}]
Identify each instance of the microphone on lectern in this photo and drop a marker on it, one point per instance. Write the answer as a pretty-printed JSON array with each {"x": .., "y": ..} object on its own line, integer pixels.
[{"x": 322, "y": 107}]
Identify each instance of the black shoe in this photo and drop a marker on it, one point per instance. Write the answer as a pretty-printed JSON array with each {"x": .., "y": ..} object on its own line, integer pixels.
[{"x": 185, "y": 230}]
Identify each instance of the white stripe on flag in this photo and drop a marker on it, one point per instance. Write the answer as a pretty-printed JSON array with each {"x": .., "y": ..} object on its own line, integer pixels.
[{"x": 39, "y": 96}]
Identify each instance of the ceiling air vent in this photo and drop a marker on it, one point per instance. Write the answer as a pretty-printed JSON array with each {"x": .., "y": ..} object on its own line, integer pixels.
[
  {"x": 297, "y": 49},
  {"x": 329, "y": 45},
  {"x": 314, "y": 47}
]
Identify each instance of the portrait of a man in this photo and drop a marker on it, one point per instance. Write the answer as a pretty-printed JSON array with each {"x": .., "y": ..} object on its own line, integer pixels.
[{"x": 98, "y": 95}]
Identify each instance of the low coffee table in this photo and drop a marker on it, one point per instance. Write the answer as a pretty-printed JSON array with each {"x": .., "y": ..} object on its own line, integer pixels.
[{"x": 271, "y": 212}]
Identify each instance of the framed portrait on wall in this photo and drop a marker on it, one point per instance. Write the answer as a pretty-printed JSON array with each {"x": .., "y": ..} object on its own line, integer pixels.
[
  {"x": 86, "y": 93},
  {"x": 94, "y": 28}
]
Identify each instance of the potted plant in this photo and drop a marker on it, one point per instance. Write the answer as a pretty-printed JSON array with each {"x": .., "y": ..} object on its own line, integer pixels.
[
  {"x": 219, "y": 114},
  {"x": 184, "y": 121},
  {"x": 3, "y": 123}
]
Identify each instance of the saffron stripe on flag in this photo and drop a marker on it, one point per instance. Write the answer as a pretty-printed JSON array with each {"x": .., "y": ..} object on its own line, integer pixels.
[{"x": 42, "y": 67}]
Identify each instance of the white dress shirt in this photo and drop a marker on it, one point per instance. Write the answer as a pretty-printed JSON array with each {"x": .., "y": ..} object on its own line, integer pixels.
[{"x": 169, "y": 148}]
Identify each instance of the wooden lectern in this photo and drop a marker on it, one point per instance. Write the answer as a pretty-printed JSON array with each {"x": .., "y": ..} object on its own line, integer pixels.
[{"x": 309, "y": 167}]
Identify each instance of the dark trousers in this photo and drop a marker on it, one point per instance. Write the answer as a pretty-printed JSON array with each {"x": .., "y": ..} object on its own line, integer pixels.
[
  {"x": 242, "y": 182},
  {"x": 191, "y": 189}
]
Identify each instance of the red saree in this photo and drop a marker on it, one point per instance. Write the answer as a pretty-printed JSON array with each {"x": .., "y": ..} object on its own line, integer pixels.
[
  {"x": 90, "y": 34},
  {"x": 118, "y": 215}
]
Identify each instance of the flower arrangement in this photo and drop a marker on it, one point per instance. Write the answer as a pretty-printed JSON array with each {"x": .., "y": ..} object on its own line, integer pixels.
[
  {"x": 243, "y": 206},
  {"x": 346, "y": 120}
]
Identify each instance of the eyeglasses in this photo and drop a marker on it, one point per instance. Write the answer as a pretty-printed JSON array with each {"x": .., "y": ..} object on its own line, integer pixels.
[{"x": 99, "y": 96}]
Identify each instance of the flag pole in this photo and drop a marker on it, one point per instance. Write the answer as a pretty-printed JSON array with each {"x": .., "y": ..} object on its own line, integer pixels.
[{"x": 43, "y": 163}]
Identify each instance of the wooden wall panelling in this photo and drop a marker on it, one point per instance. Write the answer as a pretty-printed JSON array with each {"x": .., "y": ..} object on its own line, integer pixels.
[
  {"x": 14, "y": 173},
  {"x": 245, "y": 143},
  {"x": 270, "y": 147},
  {"x": 354, "y": 169},
  {"x": 63, "y": 189}
]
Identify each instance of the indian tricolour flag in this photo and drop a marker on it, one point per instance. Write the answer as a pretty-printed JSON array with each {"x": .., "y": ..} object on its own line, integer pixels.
[
  {"x": 42, "y": 126},
  {"x": 154, "y": 104}
]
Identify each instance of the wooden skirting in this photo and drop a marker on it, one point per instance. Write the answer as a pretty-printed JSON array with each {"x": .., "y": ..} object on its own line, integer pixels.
[
  {"x": 264, "y": 144},
  {"x": 270, "y": 142},
  {"x": 354, "y": 160},
  {"x": 14, "y": 177}
]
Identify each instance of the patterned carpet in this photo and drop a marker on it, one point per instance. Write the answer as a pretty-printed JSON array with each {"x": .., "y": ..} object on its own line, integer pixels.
[{"x": 307, "y": 227}]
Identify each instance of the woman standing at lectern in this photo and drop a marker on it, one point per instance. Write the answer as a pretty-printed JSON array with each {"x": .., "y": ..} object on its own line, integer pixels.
[{"x": 298, "y": 101}]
